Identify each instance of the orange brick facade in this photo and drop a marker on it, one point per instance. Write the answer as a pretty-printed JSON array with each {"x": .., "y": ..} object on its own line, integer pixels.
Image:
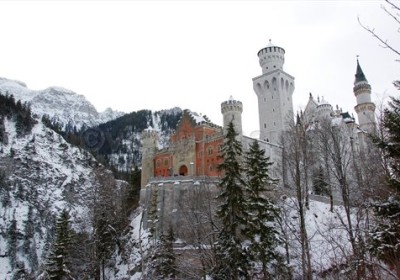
[{"x": 194, "y": 149}]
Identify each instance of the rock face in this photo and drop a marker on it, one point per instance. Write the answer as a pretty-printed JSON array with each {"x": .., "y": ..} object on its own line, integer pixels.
[
  {"x": 181, "y": 200},
  {"x": 40, "y": 174},
  {"x": 62, "y": 105}
]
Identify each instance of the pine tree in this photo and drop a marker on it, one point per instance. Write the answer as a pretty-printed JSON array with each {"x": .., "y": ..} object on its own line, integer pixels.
[
  {"x": 152, "y": 219},
  {"x": 261, "y": 229},
  {"x": 12, "y": 234},
  {"x": 231, "y": 258},
  {"x": 165, "y": 256},
  {"x": 385, "y": 237},
  {"x": 319, "y": 183},
  {"x": 58, "y": 261},
  {"x": 29, "y": 240}
]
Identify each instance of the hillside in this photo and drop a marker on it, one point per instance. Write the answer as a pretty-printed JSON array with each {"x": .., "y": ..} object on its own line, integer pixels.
[{"x": 41, "y": 174}]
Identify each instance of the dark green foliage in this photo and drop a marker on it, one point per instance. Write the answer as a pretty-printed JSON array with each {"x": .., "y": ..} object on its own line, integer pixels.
[
  {"x": 131, "y": 198},
  {"x": 165, "y": 257},
  {"x": 12, "y": 234},
  {"x": 59, "y": 259},
  {"x": 120, "y": 128},
  {"x": 108, "y": 219},
  {"x": 21, "y": 113},
  {"x": 261, "y": 228},
  {"x": 231, "y": 258},
  {"x": 169, "y": 121},
  {"x": 3, "y": 136},
  {"x": 152, "y": 218},
  {"x": 385, "y": 237},
  {"x": 29, "y": 245},
  {"x": 320, "y": 185}
]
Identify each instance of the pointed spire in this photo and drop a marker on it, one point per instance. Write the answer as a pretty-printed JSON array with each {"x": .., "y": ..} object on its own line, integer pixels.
[
  {"x": 298, "y": 121},
  {"x": 360, "y": 77}
]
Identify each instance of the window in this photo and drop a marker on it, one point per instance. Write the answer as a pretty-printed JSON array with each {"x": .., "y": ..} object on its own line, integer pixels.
[
  {"x": 210, "y": 150},
  {"x": 265, "y": 125},
  {"x": 166, "y": 162},
  {"x": 158, "y": 163}
]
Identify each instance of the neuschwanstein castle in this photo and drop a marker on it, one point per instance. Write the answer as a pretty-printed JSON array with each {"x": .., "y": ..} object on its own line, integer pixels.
[{"x": 194, "y": 147}]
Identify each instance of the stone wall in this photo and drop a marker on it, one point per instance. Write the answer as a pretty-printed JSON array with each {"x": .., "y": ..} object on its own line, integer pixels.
[{"x": 183, "y": 202}]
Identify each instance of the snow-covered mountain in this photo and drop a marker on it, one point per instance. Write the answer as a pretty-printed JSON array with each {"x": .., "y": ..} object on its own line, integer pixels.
[
  {"x": 62, "y": 105},
  {"x": 41, "y": 174}
]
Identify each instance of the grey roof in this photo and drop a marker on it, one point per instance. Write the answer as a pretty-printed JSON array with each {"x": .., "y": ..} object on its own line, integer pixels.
[{"x": 360, "y": 77}]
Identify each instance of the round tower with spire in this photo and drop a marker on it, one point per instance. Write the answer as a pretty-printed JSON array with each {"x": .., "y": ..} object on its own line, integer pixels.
[
  {"x": 365, "y": 108},
  {"x": 324, "y": 109},
  {"x": 274, "y": 89},
  {"x": 232, "y": 112},
  {"x": 149, "y": 148}
]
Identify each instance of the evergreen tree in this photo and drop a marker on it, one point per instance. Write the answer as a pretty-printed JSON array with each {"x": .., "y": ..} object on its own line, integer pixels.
[
  {"x": 58, "y": 261},
  {"x": 12, "y": 233},
  {"x": 108, "y": 220},
  {"x": 29, "y": 240},
  {"x": 165, "y": 256},
  {"x": 231, "y": 258},
  {"x": 385, "y": 237},
  {"x": 319, "y": 183},
  {"x": 152, "y": 219},
  {"x": 261, "y": 229}
]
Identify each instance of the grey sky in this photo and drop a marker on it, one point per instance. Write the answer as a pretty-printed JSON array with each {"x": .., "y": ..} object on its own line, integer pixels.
[{"x": 132, "y": 55}]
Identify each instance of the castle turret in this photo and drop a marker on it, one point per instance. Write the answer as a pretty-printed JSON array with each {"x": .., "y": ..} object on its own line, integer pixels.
[
  {"x": 232, "y": 112},
  {"x": 324, "y": 109},
  {"x": 365, "y": 108},
  {"x": 274, "y": 89},
  {"x": 149, "y": 148}
]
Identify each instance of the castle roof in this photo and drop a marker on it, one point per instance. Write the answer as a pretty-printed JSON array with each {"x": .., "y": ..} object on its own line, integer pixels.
[{"x": 360, "y": 77}]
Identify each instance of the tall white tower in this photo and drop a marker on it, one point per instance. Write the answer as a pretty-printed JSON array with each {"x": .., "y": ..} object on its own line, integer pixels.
[
  {"x": 274, "y": 89},
  {"x": 365, "y": 108},
  {"x": 232, "y": 112}
]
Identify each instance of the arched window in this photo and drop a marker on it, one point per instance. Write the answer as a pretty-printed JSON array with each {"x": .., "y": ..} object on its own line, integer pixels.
[{"x": 183, "y": 170}]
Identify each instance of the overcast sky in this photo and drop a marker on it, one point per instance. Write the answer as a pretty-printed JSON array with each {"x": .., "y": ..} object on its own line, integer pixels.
[{"x": 132, "y": 55}]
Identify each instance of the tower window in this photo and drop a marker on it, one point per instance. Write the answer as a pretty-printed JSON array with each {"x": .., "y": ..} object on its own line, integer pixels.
[
  {"x": 265, "y": 99},
  {"x": 273, "y": 110},
  {"x": 274, "y": 123},
  {"x": 265, "y": 125},
  {"x": 272, "y": 97}
]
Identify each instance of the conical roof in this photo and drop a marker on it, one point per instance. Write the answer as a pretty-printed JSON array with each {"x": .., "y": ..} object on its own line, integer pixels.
[{"x": 360, "y": 77}]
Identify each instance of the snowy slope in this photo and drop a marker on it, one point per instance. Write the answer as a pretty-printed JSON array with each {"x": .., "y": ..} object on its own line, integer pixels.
[
  {"x": 62, "y": 105},
  {"x": 328, "y": 239},
  {"x": 43, "y": 174}
]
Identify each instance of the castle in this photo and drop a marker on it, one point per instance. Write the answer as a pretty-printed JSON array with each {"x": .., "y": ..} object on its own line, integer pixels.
[{"x": 195, "y": 146}]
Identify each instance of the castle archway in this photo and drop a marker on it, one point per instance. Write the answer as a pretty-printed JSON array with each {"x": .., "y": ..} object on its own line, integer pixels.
[{"x": 183, "y": 170}]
